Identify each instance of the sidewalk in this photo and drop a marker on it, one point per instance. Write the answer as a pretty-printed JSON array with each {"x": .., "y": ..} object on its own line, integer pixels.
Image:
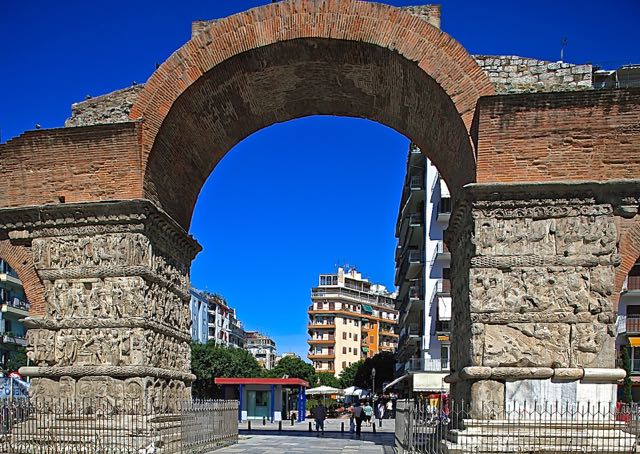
[
  {"x": 298, "y": 440},
  {"x": 330, "y": 425}
]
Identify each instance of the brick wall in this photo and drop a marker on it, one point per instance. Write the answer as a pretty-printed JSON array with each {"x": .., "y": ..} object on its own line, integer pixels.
[
  {"x": 589, "y": 135},
  {"x": 71, "y": 164},
  {"x": 513, "y": 74}
]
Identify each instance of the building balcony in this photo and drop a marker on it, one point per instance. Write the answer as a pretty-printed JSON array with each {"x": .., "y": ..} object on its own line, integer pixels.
[
  {"x": 444, "y": 210},
  {"x": 321, "y": 326},
  {"x": 429, "y": 365},
  {"x": 9, "y": 338},
  {"x": 443, "y": 327},
  {"x": 388, "y": 333},
  {"x": 442, "y": 287},
  {"x": 411, "y": 264},
  {"x": 358, "y": 297},
  {"x": 16, "y": 306},
  {"x": 313, "y": 356},
  {"x": 634, "y": 363},
  {"x": 631, "y": 323},
  {"x": 631, "y": 284},
  {"x": 321, "y": 341},
  {"x": 416, "y": 183},
  {"x": 410, "y": 334},
  {"x": 410, "y": 230},
  {"x": 441, "y": 253}
]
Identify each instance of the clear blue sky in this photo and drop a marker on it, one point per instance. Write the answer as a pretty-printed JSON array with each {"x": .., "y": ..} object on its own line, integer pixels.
[{"x": 329, "y": 188}]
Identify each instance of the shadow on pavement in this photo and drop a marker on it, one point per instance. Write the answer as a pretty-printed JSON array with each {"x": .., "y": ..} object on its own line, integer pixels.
[{"x": 380, "y": 438}]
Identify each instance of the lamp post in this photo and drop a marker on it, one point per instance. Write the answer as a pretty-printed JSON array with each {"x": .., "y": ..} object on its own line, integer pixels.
[{"x": 373, "y": 379}]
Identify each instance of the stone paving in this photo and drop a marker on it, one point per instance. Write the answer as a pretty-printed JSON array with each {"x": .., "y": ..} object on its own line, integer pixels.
[{"x": 297, "y": 439}]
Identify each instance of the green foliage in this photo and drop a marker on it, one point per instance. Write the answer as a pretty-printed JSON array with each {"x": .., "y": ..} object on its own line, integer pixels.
[
  {"x": 348, "y": 375},
  {"x": 210, "y": 360},
  {"x": 328, "y": 379},
  {"x": 626, "y": 384},
  {"x": 384, "y": 363},
  {"x": 294, "y": 367},
  {"x": 17, "y": 359}
]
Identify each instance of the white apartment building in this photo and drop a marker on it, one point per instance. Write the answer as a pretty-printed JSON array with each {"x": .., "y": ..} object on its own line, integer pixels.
[
  {"x": 349, "y": 319},
  {"x": 262, "y": 347},
  {"x": 219, "y": 315},
  {"x": 423, "y": 278},
  {"x": 629, "y": 328},
  {"x": 199, "y": 306}
]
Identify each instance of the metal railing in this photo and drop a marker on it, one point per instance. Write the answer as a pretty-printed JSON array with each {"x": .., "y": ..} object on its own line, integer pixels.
[
  {"x": 439, "y": 425},
  {"x": 631, "y": 283},
  {"x": 115, "y": 426},
  {"x": 416, "y": 183}
]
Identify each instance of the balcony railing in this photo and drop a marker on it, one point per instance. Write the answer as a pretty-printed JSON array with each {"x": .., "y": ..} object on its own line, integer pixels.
[
  {"x": 632, "y": 283},
  {"x": 416, "y": 292},
  {"x": 632, "y": 323},
  {"x": 416, "y": 183},
  {"x": 16, "y": 303},
  {"x": 379, "y": 300},
  {"x": 443, "y": 286},
  {"x": 429, "y": 365}
]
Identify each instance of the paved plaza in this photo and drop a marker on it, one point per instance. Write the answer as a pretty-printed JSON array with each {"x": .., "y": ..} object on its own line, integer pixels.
[{"x": 298, "y": 439}]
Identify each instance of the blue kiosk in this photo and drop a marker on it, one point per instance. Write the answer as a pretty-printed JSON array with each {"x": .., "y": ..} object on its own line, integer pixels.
[{"x": 273, "y": 398}]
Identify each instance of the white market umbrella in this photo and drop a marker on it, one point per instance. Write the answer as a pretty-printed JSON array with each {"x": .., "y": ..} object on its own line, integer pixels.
[
  {"x": 352, "y": 391},
  {"x": 323, "y": 391}
]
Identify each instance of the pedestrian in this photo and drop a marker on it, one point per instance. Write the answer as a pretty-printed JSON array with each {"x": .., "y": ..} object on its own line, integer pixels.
[
  {"x": 381, "y": 408},
  {"x": 320, "y": 414},
  {"x": 368, "y": 413},
  {"x": 352, "y": 420},
  {"x": 389, "y": 410},
  {"x": 358, "y": 415}
]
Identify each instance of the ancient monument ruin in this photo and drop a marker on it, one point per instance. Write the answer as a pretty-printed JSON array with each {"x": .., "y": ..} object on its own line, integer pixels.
[{"x": 545, "y": 187}]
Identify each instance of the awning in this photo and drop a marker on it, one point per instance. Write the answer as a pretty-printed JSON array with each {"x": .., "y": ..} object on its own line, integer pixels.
[
  {"x": 634, "y": 341},
  {"x": 429, "y": 381},
  {"x": 444, "y": 308},
  {"x": 395, "y": 382},
  {"x": 367, "y": 308}
]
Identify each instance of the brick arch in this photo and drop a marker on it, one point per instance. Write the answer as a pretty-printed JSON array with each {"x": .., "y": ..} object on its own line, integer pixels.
[
  {"x": 293, "y": 59},
  {"x": 629, "y": 252},
  {"x": 20, "y": 259}
]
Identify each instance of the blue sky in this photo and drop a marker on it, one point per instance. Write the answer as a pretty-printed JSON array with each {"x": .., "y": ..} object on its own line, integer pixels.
[{"x": 292, "y": 200}]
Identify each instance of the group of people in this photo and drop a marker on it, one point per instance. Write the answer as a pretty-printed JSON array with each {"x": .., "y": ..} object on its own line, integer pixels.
[{"x": 359, "y": 413}]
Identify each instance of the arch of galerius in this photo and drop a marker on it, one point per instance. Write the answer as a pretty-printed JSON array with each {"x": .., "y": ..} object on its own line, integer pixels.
[{"x": 544, "y": 187}]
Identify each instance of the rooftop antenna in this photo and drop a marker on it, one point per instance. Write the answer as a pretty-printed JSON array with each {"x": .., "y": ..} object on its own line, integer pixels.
[{"x": 563, "y": 44}]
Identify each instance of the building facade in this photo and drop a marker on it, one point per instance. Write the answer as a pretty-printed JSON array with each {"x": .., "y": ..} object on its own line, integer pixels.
[
  {"x": 262, "y": 347},
  {"x": 349, "y": 319},
  {"x": 219, "y": 315},
  {"x": 423, "y": 277},
  {"x": 14, "y": 307},
  {"x": 629, "y": 328},
  {"x": 199, "y": 306},
  {"x": 236, "y": 331}
]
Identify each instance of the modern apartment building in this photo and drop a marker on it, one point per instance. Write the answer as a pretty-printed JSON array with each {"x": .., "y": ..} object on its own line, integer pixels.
[
  {"x": 629, "y": 326},
  {"x": 262, "y": 347},
  {"x": 15, "y": 307},
  {"x": 199, "y": 306},
  {"x": 236, "y": 331},
  {"x": 349, "y": 319},
  {"x": 219, "y": 319},
  {"x": 422, "y": 277}
]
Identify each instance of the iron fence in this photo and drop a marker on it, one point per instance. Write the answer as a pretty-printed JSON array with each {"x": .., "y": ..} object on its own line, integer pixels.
[
  {"x": 488, "y": 427},
  {"x": 114, "y": 426}
]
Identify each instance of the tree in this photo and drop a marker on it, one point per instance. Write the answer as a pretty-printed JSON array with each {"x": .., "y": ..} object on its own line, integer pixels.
[
  {"x": 294, "y": 367},
  {"x": 328, "y": 379},
  {"x": 209, "y": 361},
  {"x": 627, "y": 396},
  {"x": 348, "y": 374},
  {"x": 17, "y": 359},
  {"x": 384, "y": 363}
]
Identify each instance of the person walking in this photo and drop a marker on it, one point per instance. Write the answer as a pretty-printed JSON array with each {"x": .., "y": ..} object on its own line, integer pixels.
[
  {"x": 358, "y": 414},
  {"x": 381, "y": 408},
  {"x": 320, "y": 414},
  {"x": 389, "y": 409},
  {"x": 368, "y": 413}
]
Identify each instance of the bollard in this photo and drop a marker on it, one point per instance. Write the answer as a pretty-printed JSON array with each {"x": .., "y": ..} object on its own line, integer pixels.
[
  {"x": 374, "y": 426},
  {"x": 249, "y": 425},
  {"x": 293, "y": 419},
  {"x": 342, "y": 427},
  {"x": 280, "y": 426},
  {"x": 264, "y": 420},
  {"x": 310, "y": 429}
]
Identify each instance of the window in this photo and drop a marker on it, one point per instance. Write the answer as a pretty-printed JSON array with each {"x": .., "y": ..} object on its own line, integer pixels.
[
  {"x": 344, "y": 321},
  {"x": 344, "y": 364},
  {"x": 355, "y": 322},
  {"x": 355, "y": 337},
  {"x": 371, "y": 339},
  {"x": 344, "y": 336},
  {"x": 344, "y": 350},
  {"x": 332, "y": 306},
  {"x": 350, "y": 335},
  {"x": 349, "y": 349}
]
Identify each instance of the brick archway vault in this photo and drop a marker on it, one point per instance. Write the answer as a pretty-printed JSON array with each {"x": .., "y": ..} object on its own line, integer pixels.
[
  {"x": 20, "y": 259},
  {"x": 294, "y": 59}
]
